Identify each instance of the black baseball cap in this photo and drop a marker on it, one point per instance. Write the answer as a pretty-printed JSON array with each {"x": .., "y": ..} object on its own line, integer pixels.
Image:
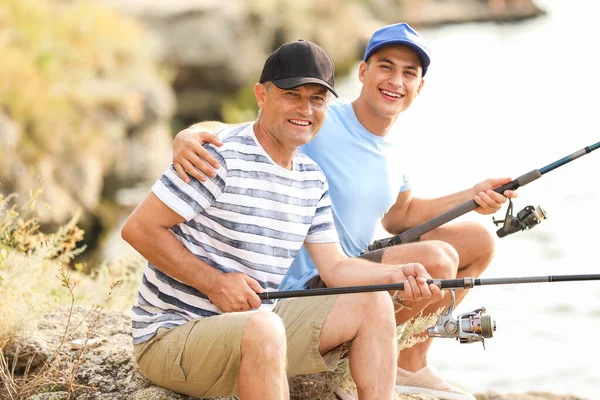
[{"x": 299, "y": 63}]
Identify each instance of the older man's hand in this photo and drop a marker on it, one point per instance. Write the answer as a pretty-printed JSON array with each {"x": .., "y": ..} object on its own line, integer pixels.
[{"x": 235, "y": 292}]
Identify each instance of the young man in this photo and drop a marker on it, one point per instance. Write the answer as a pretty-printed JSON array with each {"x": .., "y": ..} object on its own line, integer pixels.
[
  {"x": 199, "y": 326},
  {"x": 353, "y": 151}
]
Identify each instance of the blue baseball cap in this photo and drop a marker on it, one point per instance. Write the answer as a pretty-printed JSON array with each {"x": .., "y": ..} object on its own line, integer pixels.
[{"x": 403, "y": 34}]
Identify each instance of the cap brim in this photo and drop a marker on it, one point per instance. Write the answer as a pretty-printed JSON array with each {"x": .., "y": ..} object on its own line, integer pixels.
[
  {"x": 425, "y": 60},
  {"x": 290, "y": 83}
]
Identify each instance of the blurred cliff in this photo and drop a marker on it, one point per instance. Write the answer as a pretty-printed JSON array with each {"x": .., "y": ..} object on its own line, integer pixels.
[
  {"x": 91, "y": 92},
  {"x": 218, "y": 47},
  {"x": 84, "y": 108}
]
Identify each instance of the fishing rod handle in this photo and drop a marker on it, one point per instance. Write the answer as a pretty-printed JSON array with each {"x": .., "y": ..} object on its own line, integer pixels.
[
  {"x": 413, "y": 234},
  {"x": 520, "y": 181}
]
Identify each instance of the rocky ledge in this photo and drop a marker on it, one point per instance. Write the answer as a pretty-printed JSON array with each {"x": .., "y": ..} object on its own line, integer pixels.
[{"x": 106, "y": 368}]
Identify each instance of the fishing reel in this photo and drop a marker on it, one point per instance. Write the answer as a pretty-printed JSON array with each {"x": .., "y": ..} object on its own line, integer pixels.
[
  {"x": 471, "y": 327},
  {"x": 526, "y": 219}
]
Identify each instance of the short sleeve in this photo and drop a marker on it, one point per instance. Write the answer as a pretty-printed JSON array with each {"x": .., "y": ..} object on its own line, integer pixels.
[
  {"x": 322, "y": 229},
  {"x": 191, "y": 199},
  {"x": 405, "y": 184}
]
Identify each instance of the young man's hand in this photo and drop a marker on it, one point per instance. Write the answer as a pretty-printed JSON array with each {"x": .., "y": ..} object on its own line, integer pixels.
[
  {"x": 189, "y": 155},
  {"x": 487, "y": 199}
]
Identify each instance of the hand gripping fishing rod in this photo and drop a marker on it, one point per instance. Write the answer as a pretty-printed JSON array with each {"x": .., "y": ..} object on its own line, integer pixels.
[
  {"x": 471, "y": 327},
  {"x": 415, "y": 233}
]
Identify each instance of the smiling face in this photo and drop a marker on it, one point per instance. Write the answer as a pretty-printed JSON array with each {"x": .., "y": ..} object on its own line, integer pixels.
[
  {"x": 392, "y": 78},
  {"x": 291, "y": 117}
]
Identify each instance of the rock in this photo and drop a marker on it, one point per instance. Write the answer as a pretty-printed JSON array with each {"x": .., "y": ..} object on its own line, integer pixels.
[
  {"x": 109, "y": 367},
  {"x": 156, "y": 393},
  {"x": 50, "y": 396},
  {"x": 27, "y": 350},
  {"x": 108, "y": 371}
]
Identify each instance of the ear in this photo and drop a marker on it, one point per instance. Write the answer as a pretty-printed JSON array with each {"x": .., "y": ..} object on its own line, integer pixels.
[
  {"x": 420, "y": 86},
  {"x": 260, "y": 92},
  {"x": 362, "y": 69}
]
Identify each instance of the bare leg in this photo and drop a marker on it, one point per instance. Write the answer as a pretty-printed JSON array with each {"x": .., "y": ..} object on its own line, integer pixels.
[
  {"x": 366, "y": 320},
  {"x": 262, "y": 370},
  {"x": 475, "y": 248},
  {"x": 441, "y": 261},
  {"x": 474, "y": 244}
]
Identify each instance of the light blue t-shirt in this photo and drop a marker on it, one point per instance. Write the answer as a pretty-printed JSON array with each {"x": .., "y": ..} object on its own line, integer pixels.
[{"x": 362, "y": 185}]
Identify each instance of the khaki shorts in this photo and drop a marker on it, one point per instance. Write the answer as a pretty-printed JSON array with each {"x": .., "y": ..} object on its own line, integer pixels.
[{"x": 202, "y": 358}]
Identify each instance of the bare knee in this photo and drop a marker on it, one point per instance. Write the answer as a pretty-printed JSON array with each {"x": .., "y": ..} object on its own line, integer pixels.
[
  {"x": 377, "y": 308},
  {"x": 439, "y": 258},
  {"x": 479, "y": 235},
  {"x": 443, "y": 260},
  {"x": 483, "y": 244},
  {"x": 264, "y": 337}
]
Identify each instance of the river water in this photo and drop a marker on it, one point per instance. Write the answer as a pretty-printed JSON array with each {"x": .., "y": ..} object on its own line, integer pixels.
[{"x": 501, "y": 100}]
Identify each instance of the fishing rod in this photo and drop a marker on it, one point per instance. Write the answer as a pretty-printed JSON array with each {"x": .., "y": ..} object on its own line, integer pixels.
[
  {"x": 470, "y": 327},
  {"x": 457, "y": 283},
  {"x": 526, "y": 219}
]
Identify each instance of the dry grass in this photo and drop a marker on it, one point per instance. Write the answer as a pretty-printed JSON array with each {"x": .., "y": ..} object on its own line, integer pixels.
[
  {"x": 410, "y": 333},
  {"x": 28, "y": 260},
  {"x": 35, "y": 276}
]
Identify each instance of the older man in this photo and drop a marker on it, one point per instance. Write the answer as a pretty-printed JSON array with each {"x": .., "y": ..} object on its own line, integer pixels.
[{"x": 199, "y": 327}]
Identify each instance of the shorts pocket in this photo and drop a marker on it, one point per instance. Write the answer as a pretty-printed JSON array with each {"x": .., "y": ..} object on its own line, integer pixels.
[
  {"x": 178, "y": 341},
  {"x": 196, "y": 353}
]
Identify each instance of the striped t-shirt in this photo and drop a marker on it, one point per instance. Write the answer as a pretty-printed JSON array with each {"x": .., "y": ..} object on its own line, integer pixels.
[{"x": 252, "y": 217}]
